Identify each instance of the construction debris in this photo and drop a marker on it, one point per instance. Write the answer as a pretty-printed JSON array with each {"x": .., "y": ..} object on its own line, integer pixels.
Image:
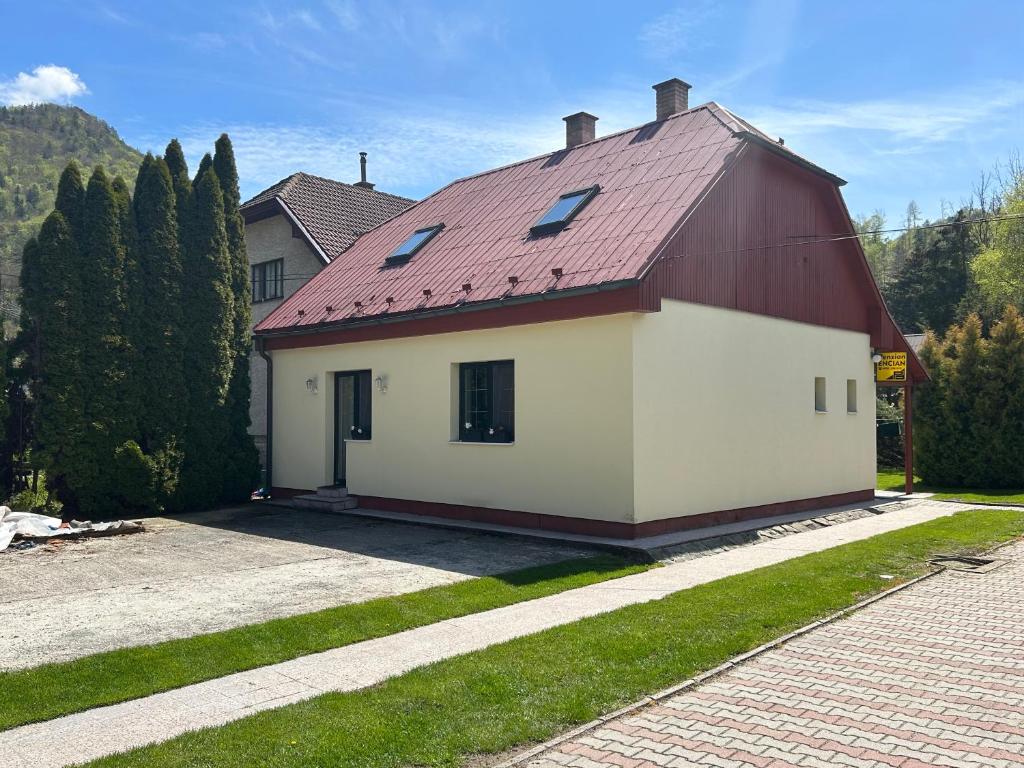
[{"x": 29, "y": 526}]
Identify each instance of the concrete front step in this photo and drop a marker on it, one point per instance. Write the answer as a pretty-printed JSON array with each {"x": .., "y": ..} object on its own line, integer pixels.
[
  {"x": 319, "y": 503},
  {"x": 336, "y": 491}
]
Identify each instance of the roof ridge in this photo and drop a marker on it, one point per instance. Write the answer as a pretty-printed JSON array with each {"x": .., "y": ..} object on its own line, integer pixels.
[
  {"x": 352, "y": 186},
  {"x": 596, "y": 140}
]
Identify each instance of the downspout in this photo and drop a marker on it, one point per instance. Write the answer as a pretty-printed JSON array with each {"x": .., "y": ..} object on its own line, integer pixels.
[{"x": 261, "y": 347}]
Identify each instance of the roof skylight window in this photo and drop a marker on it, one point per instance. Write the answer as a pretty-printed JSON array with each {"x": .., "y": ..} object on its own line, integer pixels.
[
  {"x": 411, "y": 245},
  {"x": 564, "y": 210}
]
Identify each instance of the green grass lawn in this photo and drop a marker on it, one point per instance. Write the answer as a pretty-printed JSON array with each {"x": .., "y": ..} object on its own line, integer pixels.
[
  {"x": 528, "y": 689},
  {"x": 892, "y": 480},
  {"x": 45, "y": 692}
]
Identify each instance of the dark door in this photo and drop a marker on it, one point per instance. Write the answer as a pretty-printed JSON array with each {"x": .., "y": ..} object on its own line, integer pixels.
[{"x": 352, "y": 414}]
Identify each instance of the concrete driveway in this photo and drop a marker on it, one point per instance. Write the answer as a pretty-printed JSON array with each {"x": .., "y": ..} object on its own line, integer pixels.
[{"x": 205, "y": 572}]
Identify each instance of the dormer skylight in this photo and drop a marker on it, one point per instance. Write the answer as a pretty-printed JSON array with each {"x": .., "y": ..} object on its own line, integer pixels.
[
  {"x": 411, "y": 245},
  {"x": 564, "y": 210}
]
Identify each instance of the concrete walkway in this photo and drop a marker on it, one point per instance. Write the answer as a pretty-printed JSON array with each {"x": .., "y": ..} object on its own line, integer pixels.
[
  {"x": 98, "y": 732},
  {"x": 931, "y": 676}
]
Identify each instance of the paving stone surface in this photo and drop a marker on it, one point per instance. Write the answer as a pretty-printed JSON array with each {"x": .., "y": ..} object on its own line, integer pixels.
[
  {"x": 930, "y": 676},
  {"x": 88, "y": 735}
]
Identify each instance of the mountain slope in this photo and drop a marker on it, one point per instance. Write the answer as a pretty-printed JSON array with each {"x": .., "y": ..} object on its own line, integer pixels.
[{"x": 36, "y": 142}]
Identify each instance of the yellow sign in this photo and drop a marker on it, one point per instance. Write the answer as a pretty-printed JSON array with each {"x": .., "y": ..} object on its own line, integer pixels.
[{"x": 892, "y": 367}]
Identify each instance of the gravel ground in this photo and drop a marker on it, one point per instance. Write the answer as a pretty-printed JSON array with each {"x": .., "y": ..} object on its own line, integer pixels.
[{"x": 206, "y": 572}]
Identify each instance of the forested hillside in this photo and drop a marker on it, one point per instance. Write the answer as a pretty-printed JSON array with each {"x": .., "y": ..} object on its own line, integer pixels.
[
  {"x": 934, "y": 274},
  {"x": 36, "y": 143}
]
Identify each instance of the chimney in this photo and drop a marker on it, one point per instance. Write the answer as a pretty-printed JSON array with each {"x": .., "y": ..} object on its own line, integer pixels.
[
  {"x": 673, "y": 97},
  {"x": 362, "y": 173},
  {"x": 579, "y": 129}
]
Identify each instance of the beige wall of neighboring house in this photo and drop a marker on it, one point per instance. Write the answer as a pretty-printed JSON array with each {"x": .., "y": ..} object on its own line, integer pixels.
[
  {"x": 266, "y": 240},
  {"x": 572, "y": 453},
  {"x": 724, "y": 411},
  {"x": 630, "y": 417}
]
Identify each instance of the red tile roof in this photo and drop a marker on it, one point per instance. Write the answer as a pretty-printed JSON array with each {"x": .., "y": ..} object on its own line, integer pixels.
[
  {"x": 333, "y": 213},
  {"x": 650, "y": 177}
]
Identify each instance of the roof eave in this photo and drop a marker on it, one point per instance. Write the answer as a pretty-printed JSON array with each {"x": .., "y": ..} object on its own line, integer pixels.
[
  {"x": 276, "y": 206},
  {"x": 421, "y": 314}
]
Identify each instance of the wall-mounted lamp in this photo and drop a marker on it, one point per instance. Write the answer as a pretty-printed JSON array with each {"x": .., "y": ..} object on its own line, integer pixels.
[
  {"x": 876, "y": 358},
  {"x": 382, "y": 384},
  {"x": 311, "y": 385}
]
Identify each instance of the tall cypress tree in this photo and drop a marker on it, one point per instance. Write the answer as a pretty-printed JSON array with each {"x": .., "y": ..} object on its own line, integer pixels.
[
  {"x": 71, "y": 198},
  {"x": 156, "y": 333},
  {"x": 241, "y": 470},
  {"x": 104, "y": 348},
  {"x": 60, "y": 415},
  {"x": 178, "y": 168},
  {"x": 207, "y": 308}
]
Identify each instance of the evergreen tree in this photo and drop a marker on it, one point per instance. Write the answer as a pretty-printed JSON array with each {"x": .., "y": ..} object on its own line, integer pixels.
[
  {"x": 156, "y": 331},
  {"x": 1000, "y": 419},
  {"x": 178, "y": 169},
  {"x": 105, "y": 350},
  {"x": 241, "y": 470},
  {"x": 207, "y": 308},
  {"x": 60, "y": 420},
  {"x": 71, "y": 198},
  {"x": 932, "y": 433}
]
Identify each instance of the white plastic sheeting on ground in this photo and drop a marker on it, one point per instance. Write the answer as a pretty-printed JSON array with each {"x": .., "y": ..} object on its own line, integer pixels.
[{"x": 28, "y": 525}]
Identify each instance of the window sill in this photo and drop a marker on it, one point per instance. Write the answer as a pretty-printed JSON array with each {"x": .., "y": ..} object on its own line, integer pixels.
[
  {"x": 357, "y": 440},
  {"x": 473, "y": 442},
  {"x": 820, "y": 412}
]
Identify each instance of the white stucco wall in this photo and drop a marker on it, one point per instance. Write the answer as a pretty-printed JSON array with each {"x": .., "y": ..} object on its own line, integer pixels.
[
  {"x": 724, "y": 412},
  {"x": 266, "y": 240},
  {"x": 573, "y": 453}
]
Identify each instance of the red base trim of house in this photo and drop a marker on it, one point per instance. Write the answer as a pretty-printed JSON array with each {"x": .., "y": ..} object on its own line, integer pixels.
[{"x": 606, "y": 528}]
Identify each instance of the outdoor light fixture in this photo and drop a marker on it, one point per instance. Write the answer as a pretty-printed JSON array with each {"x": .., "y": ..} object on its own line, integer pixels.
[
  {"x": 876, "y": 358},
  {"x": 382, "y": 384},
  {"x": 311, "y": 384}
]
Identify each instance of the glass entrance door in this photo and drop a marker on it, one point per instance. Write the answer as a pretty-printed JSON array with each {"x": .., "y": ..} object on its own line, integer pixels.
[{"x": 352, "y": 414}]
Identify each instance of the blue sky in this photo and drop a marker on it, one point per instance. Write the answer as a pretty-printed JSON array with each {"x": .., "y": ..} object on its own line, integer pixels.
[{"x": 905, "y": 100}]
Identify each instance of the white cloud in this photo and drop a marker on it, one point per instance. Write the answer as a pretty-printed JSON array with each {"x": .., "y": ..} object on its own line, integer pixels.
[
  {"x": 929, "y": 119},
  {"x": 47, "y": 83},
  {"x": 411, "y": 155}
]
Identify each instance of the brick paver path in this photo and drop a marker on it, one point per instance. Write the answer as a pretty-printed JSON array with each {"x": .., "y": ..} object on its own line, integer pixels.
[{"x": 931, "y": 676}]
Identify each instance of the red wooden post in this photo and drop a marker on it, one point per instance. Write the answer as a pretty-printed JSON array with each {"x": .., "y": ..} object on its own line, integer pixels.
[{"x": 908, "y": 438}]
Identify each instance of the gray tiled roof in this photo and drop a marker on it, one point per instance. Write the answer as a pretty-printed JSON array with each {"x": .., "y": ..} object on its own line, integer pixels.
[{"x": 332, "y": 212}]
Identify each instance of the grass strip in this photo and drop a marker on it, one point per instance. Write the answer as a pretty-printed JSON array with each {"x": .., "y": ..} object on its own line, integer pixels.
[
  {"x": 529, "y": 689},
  {"x": 892, "y": 480},
  {"x": 51, "y": 690}
]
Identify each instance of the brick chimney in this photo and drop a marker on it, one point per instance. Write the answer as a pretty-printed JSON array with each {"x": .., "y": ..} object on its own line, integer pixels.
[
  {"x": 579, "y": 129},
  {"x": 673, "y": 97}
]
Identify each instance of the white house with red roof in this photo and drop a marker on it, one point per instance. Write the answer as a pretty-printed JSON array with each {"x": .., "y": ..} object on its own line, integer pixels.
[{"x": 664, "y": 328}]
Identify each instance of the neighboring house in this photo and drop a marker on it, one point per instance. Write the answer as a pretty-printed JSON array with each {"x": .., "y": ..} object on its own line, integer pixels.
[
  {"x": 915, "y": 340},
  {"x": 653, "y": 330},
  {"x": 292, "y": 231}
]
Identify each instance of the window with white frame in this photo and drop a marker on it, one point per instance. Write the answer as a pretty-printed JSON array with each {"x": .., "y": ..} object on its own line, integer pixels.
[{"x": 851, "y": 395}]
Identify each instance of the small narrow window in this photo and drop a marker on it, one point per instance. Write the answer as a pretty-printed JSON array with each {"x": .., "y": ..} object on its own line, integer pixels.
[
  {"x": 820, "y": 404},
  {"x": 487, "y": 402},
  {"x": 564, "y": 210},
  {"x": 851, "y": 395},
  {"x": 268, "y": 280},
  {"x": 411, "y": 245}
]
